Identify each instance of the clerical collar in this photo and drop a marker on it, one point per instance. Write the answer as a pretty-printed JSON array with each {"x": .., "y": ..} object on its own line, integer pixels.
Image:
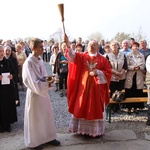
[
  {"x": 93, "y": 54},
  {"x": 6, "y": 57},
  {"x": 38, "y": 58}
]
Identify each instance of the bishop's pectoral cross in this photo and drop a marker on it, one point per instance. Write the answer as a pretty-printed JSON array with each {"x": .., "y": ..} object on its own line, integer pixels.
[{"x": 91, "y": 66}]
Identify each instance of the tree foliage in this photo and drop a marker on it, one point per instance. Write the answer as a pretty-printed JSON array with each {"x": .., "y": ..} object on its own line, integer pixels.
[
  {"x": 120, "y": 36},
  {"x": 139, "y": 35},
  {"x": 95, "y": 36},
  {"x": 57, "y": 36}
]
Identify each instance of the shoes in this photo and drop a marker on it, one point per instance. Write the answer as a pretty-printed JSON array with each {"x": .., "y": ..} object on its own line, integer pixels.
[
  {"x": 136, "y": 111},
  {"x": 86, "y": 135},
  {"x": 148, "y": 122},
  {"x": 54, "y": 142},
  {"x": 56, "y": 90},
  {"x": 129, "y": 112},
  {"x": 61, "y": 94},
  {"x": 112, "y": 112},
  {"x": 2, "y": 130},
  {"x": 8, "y": 129},
  {"x": 99, "y": 136},
  {"x": 119, "y": 111},
  {"x": 90, "y": 136}
]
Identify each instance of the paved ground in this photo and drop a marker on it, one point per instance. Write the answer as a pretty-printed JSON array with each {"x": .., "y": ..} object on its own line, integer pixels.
[
  {"x": 116, "y": 139},
  {"x": 124, "y": 133}
]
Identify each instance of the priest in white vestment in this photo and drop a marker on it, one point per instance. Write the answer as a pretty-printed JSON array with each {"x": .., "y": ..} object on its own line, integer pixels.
[{"x": 39, "y": 124}]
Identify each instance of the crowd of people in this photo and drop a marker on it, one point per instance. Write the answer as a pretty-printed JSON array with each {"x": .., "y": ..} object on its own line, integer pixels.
[
  {"x": 84, "y": 72},
  {"x": 128, "y": 66}
]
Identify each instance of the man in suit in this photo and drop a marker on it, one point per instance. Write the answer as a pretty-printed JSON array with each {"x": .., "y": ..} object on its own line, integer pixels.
[
  {"x": 101, "y": 48},
  {"x": 79, "y": 41}
]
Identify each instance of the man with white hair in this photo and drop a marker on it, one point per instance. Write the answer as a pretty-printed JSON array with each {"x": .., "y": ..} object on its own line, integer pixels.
[
  {"x": 143, "y": 48},
  {"x": 125, "y": 47},
  {"x": 87, "y": 89}
]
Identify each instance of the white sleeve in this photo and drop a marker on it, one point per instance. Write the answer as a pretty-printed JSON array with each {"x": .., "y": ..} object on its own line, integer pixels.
[
  {"x": 148, "y": 63},
  {"x": 32, "y": 82},
  {"x": 101, "y": 77},
  {"x": 71, "y": 55},
  {"x": 51, "y": 62}
]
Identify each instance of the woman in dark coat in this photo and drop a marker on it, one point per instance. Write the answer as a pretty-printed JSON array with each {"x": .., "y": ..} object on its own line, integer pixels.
[
  {"x": 8, "y": 114},
  {"x": 8, "y": 55}
]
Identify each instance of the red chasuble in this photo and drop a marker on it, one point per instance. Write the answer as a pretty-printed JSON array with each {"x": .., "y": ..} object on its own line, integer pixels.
[{"x": 87, "y": 98}]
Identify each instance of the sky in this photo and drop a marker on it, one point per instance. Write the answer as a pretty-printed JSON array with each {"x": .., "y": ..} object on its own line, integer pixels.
[{"x": 41, "y": 18}]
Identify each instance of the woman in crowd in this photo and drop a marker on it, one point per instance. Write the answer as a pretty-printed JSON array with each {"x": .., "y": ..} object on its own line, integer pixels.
[
  {"x": 118, "y": 63},
  {"x": 134, "y": 83},
  {"x": 79, "y": 47},
  {"x": 8, "y": 114},
  {"x": 21, "y": 57},
  {"x": 14, "y": 62},
  {"x": 107, "y": 50},
  {"x": 60, "y": 64},
  {"x": 52, "y": 63}
]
